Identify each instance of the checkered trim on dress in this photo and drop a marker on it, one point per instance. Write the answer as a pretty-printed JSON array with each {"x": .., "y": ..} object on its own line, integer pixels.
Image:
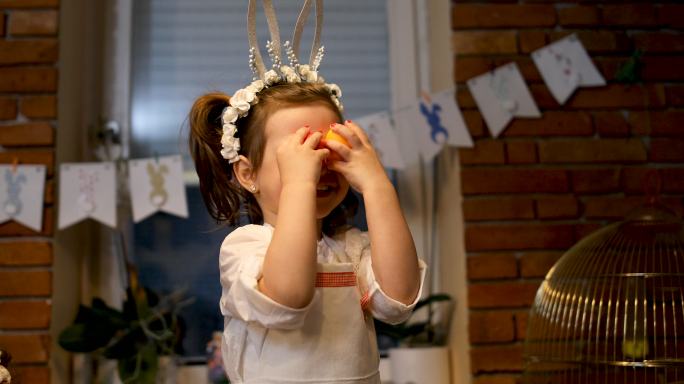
[{"x": 335, "y": 279}]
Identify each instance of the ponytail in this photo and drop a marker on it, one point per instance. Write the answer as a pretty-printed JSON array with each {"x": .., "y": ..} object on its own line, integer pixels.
[{"x": 221, "y": 194}]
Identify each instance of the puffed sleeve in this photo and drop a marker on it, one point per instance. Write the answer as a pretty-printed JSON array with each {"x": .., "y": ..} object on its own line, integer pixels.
[
  {"x": 240, "y": 262},
  {"x": 381, "y": 305}
]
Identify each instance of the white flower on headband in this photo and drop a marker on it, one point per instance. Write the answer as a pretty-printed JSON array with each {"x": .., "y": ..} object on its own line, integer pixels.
[
  {"x": 334, "y": 90},
  {"x": 271, "y": 77},
  {"x": 308, "y": 74},
  {"x": 289, "y": 74},
  {"x": 230, "y": 144},
  {"x": 229, "y": 115}
]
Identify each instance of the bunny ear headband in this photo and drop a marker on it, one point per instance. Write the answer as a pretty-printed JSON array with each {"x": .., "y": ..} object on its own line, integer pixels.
[{"x": 294, "y": 72}]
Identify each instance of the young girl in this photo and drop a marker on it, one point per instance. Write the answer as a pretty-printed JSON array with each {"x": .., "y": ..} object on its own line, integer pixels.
[{"x": 299, "y": 288}]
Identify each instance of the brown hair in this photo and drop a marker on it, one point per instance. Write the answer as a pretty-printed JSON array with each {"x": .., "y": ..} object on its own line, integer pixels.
[{"x": 222, "y": 194}]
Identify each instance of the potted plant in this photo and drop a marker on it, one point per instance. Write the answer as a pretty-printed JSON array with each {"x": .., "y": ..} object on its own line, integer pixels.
[
  {"x": 420, "y": 354},
  {"x": 136, "y": 336}
]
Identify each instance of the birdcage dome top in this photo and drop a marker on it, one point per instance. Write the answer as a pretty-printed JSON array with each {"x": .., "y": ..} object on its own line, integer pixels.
[{"x": 612, "y": 308}]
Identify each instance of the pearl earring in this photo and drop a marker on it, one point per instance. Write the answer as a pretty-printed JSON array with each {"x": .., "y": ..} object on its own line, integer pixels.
[{"x": 253, "y": 188}]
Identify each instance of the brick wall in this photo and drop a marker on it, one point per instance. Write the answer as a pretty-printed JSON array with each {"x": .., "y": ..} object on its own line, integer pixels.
[
  {"x": 28, "y": 113},
  {"x": 545, "y": 183}
]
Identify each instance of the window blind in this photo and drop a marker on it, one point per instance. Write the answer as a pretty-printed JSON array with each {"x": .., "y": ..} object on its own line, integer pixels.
[{"x": 185, "y": 48}]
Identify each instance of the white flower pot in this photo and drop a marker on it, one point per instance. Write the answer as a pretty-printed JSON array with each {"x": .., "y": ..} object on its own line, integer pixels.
[{"x": 428, "y": 365}]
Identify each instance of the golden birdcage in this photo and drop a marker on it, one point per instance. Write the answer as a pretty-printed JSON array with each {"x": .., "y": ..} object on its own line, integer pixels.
[{"x": 611, "y": 310}]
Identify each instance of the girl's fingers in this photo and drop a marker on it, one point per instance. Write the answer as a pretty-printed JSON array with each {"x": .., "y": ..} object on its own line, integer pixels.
[
  {"x": 340, "y": 149},
  {"x": 358, "y": 131},
  {"x": 313, "y": 139},
  {"x": 323, "y": 153},
  {"x": 348, "y": 134},
  {"x": 301, "y": 133}
]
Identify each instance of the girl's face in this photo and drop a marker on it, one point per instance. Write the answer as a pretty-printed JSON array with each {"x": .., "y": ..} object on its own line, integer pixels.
[{"x": 333, "y": 187}]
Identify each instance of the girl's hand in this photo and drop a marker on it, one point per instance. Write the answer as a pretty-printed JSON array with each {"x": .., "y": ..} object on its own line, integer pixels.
[
  {"x": 359, "y": 162},
  {"x": 298, "y": 159}
]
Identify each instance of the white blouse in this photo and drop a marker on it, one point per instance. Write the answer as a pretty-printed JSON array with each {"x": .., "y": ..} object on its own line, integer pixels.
[{"x": 303, "y": 341}]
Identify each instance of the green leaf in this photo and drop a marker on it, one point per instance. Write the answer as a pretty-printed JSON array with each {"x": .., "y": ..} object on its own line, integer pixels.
[
  {"x": 126, "y": 344},
  {"x": 140, "y": 368},
  {"x": 91, "y": 330}
]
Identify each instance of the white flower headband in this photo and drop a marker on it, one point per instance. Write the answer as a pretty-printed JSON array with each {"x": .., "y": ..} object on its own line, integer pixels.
[{"x": 243, "y": 99}]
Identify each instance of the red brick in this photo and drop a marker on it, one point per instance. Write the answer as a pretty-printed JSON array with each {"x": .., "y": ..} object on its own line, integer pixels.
[
  {"x": 543, "y": 97},
  {"x": 8, "y": 108},
  {"x": 557, "y": 207},
  {"x": 491, "y": 327},
  {"x": 24, "y": 314},
  {"x": 552, "y": 123},
  {"x": 585, "y": 229},
  {"x": 635, "y": 180},
  {"x": 578, "y": 16},
  {"x": 484, "y": 152},
  {"x": 34, "y": 253},
  {"x": 500, "y": 358},
  {"x": 593, "y": 151},
  {"x": 667, "y": 150},
  {"x": 26, "y": 348},
  {"x": 13, "y": 228},
  {"x": 619, "y": 96},
  {"x": 671, "y": 15},
  {"x": 492, "y": 266},
  {"x": 49, "y": 197},
  {"x": 619, "y": 207},
  {"x": 659, "y": 42},
  {"x": 521, "y": 324},
  {"x": 45, "y": 157},
  {"x": 28, "y": 80},
  {"x": 33, "y": 374},
  {"x": 662, "y": 68},
  {"x": 611, "y": 124},
  {"x": 537, "y": 264},
  {"x": 464, "y": 98},
  {"x": 657, "y": 123},
  {"x": 39, "y": 107},
  {"x": 531, "y": 40},
  {"x": 484, "y": 42},
  {"x": 595, "y": 180},
  {"x": 675, "y": 95},
  {"x": 33, "y": 23},
  {"x": 32, "y": 134},
  {"x": 478, "y": 181},
  {"x": 502, "y": 15},
  {"x": 498, "y": 208},
  {"x": 466, "y": 67},
  {"x": 673, "y": 180},
  {"x": 598, "y": 41},
  {"x": 630, "y": 15},
  {"x": 474, "y": 122},
  {"x": 29, "y": 3},
  {"x": 502, "y": 295},
  {"x": 496, "y": 379},
  {"x": 25, "y": 283},
  {"x": 28, "y": 51},
  {"x": 518, "y": 236},
  {"x": 521, "y": 152}
]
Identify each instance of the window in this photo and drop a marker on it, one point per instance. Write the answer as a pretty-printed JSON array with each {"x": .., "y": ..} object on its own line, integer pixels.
[{"x": 184, "y": 48}]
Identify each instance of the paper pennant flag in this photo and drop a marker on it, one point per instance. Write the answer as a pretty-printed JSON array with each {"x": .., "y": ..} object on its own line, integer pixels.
[
  {"x": 444, "y": 116},
  {"x": 21, "y": 194},
  {"x": 87, "y": 190},
  {"x": 565, "y": 66},
  {"x": 501, "y": 95},
  {"x": 157, "y": 185},
  {"x": 381, "y": 133},
  {"x": 416, "y": 136}
]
